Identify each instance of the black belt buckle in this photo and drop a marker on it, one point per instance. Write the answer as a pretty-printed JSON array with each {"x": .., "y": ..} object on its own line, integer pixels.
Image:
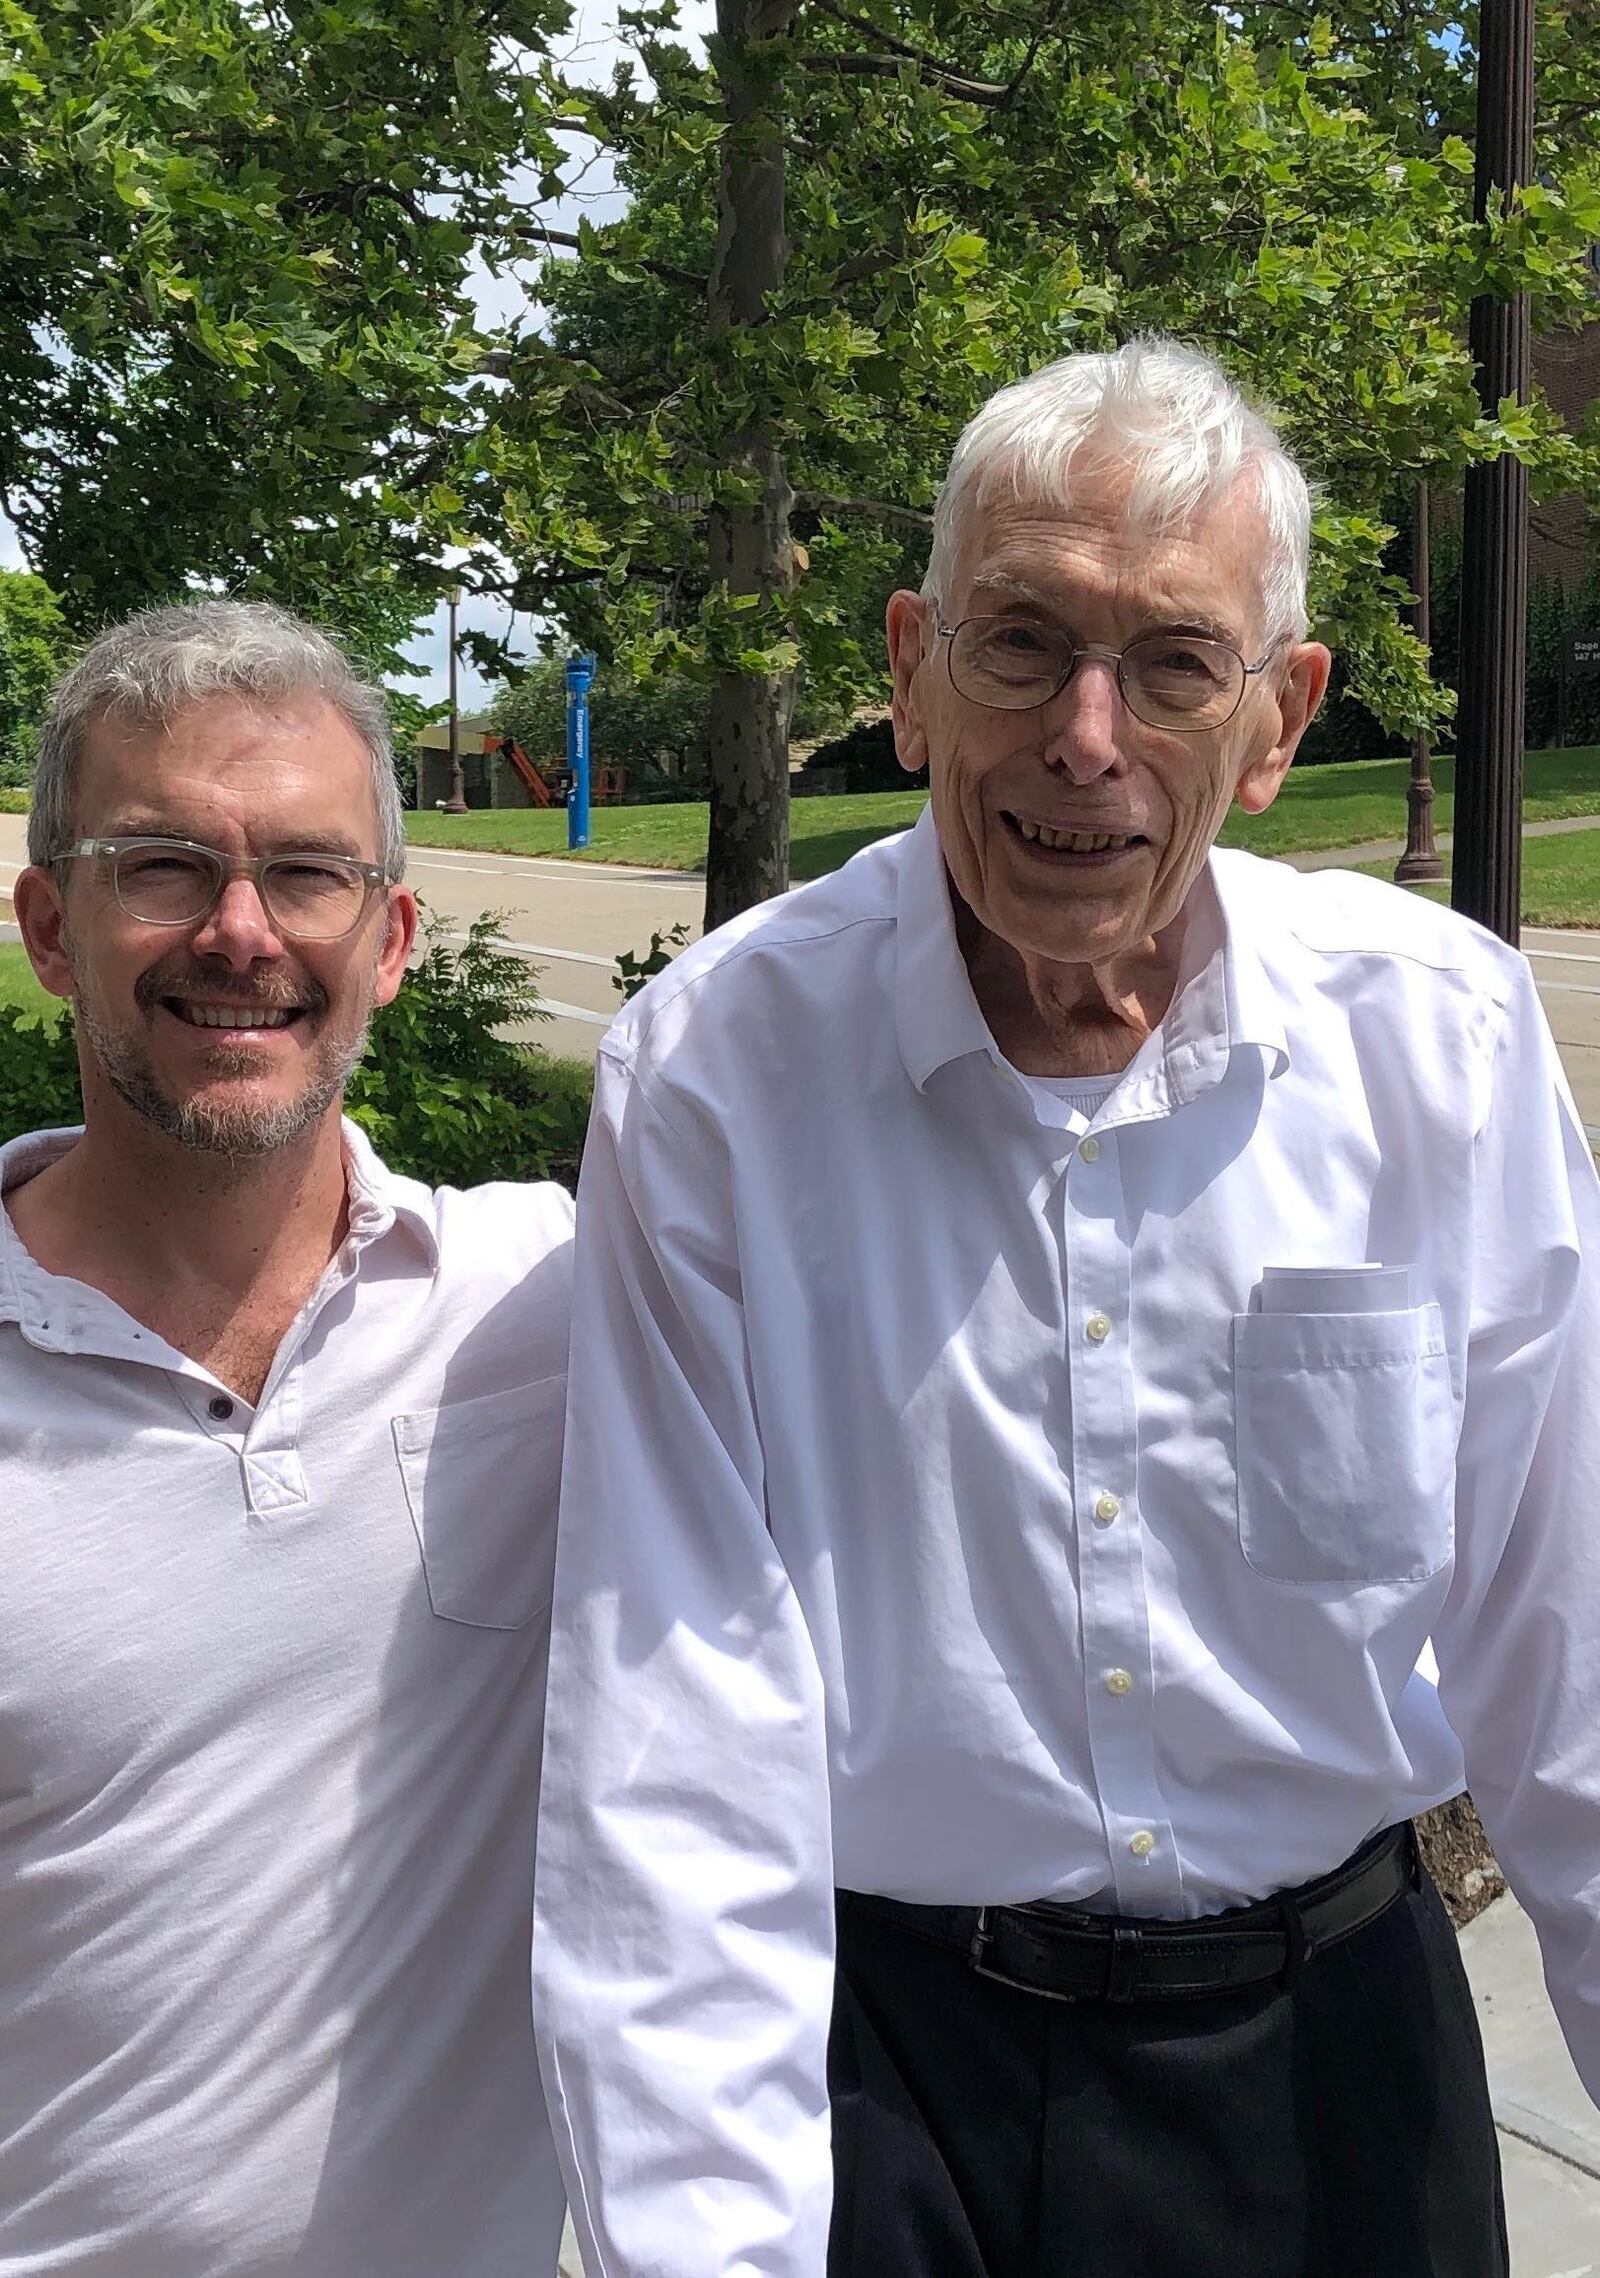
[{"x": 982, "y": 1938}]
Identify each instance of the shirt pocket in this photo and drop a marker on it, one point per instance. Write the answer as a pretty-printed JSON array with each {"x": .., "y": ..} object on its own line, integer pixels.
[
  {"x": 1345, "y": 1445},
  {"x": 481, "y": 1479}
]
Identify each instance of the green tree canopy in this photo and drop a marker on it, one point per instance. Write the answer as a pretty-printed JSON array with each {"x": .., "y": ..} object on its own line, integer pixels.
[
  {"x": 237, "y": 340},
  {"x": 35, "y": 647},
  {"x": 234, "y": 300},
  {"x": 850, "y": 222}
]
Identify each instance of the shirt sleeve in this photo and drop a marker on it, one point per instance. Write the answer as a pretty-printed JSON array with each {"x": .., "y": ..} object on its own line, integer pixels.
[
  {"x": 1518, "y": 1643},
  {"x": 683, "y": 1934}
]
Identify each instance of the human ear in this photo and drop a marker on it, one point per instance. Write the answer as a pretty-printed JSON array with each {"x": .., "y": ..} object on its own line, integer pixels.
[
  {"x": 42, "y": 921},
  {"x": 905, "y": 623},
  {"x": 400, "y": 932},
  {"x": 1297, "y": 698}
]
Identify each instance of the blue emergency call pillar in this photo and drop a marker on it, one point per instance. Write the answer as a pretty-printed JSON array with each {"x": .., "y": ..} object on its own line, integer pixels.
[{"x": 580, "y": 671}]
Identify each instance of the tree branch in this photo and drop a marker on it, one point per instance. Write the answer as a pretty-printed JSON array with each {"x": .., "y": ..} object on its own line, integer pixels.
[
  {"x": 539, "y": 234},
  {"x": 1563, "y": 114},
  {"x": 881, "y": 509},
  {"x": 890, "y": 67},
  {"x": 503, "y": 364},
  {"x": 930, "y": 66},
  {"x": 526, "y": 592},
  {"x": 1052, "y": 19}
]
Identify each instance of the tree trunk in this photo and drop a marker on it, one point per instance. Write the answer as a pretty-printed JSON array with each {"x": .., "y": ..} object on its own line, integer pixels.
[{"x": 750, "y": 545}]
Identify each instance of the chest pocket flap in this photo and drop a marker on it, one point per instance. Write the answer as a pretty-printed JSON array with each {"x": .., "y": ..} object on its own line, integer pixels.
[
  {"x": 481, "y": 1478},
  {"x": 1346, "y": 1431}
]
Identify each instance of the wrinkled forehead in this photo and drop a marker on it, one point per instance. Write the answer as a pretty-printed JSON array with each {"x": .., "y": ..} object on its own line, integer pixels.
[
  {"x": 252, "y": 759},
  {"x": 1102, "y": 526}
]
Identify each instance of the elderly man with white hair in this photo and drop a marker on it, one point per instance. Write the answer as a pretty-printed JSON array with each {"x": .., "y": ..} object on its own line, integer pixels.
[{"x": 1064, "y": 1316}]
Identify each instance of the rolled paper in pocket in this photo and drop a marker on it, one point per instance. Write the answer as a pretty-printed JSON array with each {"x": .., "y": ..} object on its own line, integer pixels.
[{"x": 1335, "y": 1289}]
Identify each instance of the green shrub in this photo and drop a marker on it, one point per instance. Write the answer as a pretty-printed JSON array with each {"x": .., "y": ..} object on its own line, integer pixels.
[
  {"x": 442, "y": 1094},
  {"x": 38, "y": 1073},
  {"x": 866, "y": 753},
  {"x": 13, "y": 800}
]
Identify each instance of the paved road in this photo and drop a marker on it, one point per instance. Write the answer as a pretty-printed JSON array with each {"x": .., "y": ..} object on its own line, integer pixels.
[{"x": 572, "y": 919}]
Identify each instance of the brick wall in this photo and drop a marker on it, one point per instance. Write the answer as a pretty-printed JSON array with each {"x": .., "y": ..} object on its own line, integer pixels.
[{"x": 1566, "y": 366}]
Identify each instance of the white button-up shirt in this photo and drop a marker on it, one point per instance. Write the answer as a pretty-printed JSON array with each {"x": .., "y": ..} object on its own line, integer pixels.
[
  {"x": 271, "y": 1693},
  {"x": 945, "y": 1516}
]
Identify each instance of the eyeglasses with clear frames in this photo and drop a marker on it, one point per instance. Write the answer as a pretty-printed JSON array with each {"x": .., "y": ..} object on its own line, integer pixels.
[
  {"x": 308, "y": 895},
  {"x": 1185, "y": 682}
]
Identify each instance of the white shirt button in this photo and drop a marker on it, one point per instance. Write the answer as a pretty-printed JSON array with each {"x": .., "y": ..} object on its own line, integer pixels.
[
  {"x": 1106, "y": 1508},
  {"x": 1118, "y": 1681},
  {"x": 1089, "y": 1149},
  {"x": 1097, "y": 1328},
  {"x": 1142, "y": 1844}
]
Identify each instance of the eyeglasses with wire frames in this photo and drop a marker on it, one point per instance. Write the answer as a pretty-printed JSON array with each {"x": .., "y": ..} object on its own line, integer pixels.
[
  {"x": 308, "y": 895},
  {"x": 1182, "y": 681}
]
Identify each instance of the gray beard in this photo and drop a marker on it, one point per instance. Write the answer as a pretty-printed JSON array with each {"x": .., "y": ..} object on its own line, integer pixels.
[
  {"x": 245, "y": 1134},
  {"x": 241, "y": 1135}
]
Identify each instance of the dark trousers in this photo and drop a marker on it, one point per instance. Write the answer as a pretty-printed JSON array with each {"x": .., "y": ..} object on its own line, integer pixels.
[{"x": 1334, "y": 2127}]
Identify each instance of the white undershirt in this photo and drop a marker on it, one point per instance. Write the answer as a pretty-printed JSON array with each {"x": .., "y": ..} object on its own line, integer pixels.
[{"x": 1082, "y": 1096}]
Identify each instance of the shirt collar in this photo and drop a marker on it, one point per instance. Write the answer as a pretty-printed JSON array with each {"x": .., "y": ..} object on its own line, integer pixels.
[
  {"x": 936, "y": 1014},
  {"x": 1223, "y": 999},
  {"x": 378, "y": 1199},
  {"x": 20, "y": 1277}
]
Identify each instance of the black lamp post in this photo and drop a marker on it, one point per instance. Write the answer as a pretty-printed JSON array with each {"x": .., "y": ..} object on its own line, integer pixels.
[
  {"x": 1487, "y": 865},
  {"x": 456, "y": 804}
]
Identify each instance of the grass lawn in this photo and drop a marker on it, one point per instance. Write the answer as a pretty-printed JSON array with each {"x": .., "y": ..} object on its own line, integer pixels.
[
  {"x": 825, "y": 832},
  {"x": 1560, "y": 880},
  {"x": 18, "y": 986},
  {"x": 1319, "y": 807},
  {"x": 1342, "y": 806}
]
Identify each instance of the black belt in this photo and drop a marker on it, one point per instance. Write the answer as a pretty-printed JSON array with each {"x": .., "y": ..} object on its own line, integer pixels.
[{"x": 1066, "y": 1954}]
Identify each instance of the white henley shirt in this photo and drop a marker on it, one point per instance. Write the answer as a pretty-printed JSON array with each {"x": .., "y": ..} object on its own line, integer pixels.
[
  {"x": 271, "y": 1693},
  {"x": 944, "y": 1516}
]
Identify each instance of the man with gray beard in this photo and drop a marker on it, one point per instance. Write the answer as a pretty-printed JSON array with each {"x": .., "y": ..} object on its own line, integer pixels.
[{"x": 279, "y": 1439}]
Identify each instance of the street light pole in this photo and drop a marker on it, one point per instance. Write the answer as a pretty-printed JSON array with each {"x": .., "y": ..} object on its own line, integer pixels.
[
  {"x": 1487, "y": 864},
  {"x": 456, "y": 804},
  {"x": 1420, "y": 860}
]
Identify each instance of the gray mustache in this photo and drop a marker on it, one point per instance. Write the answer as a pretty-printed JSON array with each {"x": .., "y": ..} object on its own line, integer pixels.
[{"x": 161, "y": 982}]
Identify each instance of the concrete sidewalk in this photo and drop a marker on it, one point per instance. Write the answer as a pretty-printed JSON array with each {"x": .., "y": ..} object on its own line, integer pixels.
[
  {"x": 1549, "y": 2130},
  {"x": 1391, "y": 849}
]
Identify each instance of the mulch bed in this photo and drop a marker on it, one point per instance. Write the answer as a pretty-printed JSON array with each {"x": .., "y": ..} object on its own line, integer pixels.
[{"x": 1456, "y": 1852}]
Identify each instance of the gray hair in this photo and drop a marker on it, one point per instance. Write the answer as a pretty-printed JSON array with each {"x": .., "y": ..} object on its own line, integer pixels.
[
  {"x": 1167, "y": 414},
  {"x": 153, "y": 666}
]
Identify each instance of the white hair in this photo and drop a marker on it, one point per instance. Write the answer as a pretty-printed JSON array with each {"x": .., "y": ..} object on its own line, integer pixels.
[
  {"x": 1170, "y": 417},
  {"x": 153, "y": 666}
]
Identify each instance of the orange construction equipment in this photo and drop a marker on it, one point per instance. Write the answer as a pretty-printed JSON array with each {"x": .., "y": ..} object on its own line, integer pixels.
[
  {"x": 538, "y": 790},
  {"x": 548, "y": 787}
]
